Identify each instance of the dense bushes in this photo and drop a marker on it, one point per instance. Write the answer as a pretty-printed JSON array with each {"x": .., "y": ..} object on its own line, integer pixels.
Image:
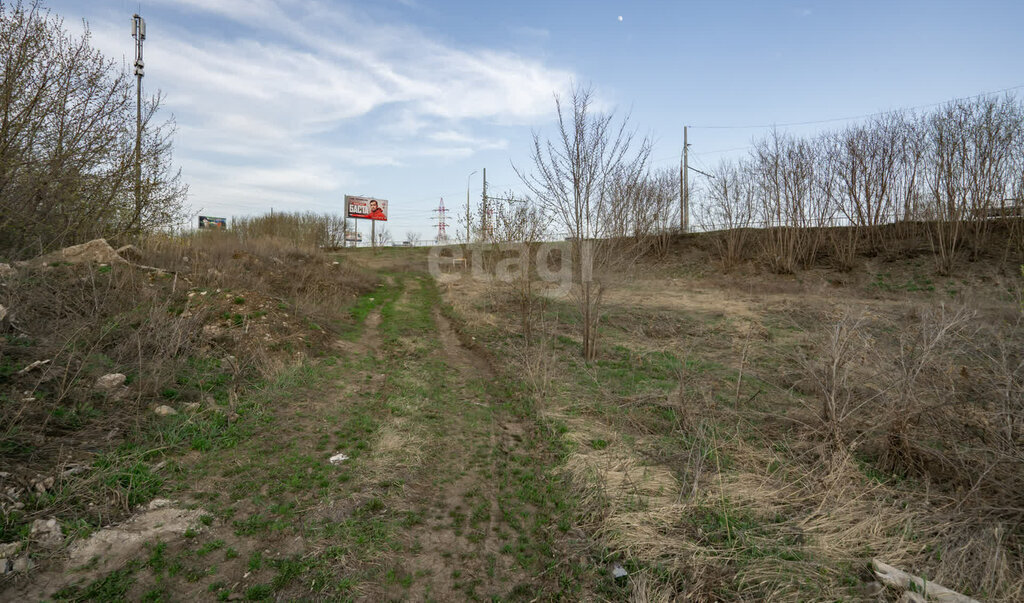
[{"x": 317, "y": 231}]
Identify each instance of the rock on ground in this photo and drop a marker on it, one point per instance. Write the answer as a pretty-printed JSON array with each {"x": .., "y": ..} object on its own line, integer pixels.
[
  {"x": 110, "y": 381},
  {"x": 97, "y": 250},
  {"x": 46, "y": 532}
]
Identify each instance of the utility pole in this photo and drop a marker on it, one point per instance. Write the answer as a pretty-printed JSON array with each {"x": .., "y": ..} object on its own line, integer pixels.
[
  {"x": 684, "y": 186},
  {"x": 139, "y": 33},
  {"x": 486, "y": 208},
  {"x": 469, "y": 219}
]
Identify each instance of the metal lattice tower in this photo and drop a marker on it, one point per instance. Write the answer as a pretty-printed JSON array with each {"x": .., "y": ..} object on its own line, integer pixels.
[{"x": 442, "y": 224}]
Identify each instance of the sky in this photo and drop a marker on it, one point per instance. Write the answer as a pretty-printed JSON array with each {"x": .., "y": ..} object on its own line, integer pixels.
[{"x": 292, "y": 104}]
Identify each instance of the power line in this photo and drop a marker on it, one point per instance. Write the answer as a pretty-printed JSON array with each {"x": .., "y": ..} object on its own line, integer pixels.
[
  {"x": 716, "y": 151},
  {"x": 866, "y": 115}
]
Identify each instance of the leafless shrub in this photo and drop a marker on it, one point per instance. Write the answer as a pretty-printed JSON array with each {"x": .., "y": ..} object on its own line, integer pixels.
[
  {"x": 860, "y": 180},
  {"x": 1004, "y": 360},
  {"x": 972, "y": 152},
  {"x": 538, "y": 363},
  {"x": 518, "y": 225},
  {"x": 784, "y": 173},
  {"x": 922, "y": 382},
  {"x": 841, "y": 349},
  {"x": 645, "y": 211},
  {"x": 730, "y": 207}
]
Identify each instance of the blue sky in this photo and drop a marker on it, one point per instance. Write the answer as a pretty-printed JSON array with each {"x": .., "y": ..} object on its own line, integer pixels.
[{"x": 292, "y": 104}]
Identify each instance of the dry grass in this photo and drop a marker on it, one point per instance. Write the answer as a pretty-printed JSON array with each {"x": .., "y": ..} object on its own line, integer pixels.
[
  {"x": 217, "y": 316},
  {"x": 824, "y": 419}
]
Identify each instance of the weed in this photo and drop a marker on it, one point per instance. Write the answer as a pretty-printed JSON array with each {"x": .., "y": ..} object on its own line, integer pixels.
[{"x": 112, "y": 587}]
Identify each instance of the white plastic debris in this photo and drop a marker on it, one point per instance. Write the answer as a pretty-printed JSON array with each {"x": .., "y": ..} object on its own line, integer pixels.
[
  {"x": 619, "y": 572},
  {"x": 339, "y": 458}
]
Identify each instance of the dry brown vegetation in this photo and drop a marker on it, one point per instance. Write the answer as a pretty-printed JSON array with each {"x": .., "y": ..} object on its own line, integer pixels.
[
  {"x": 749, "y": 435},
  {"x": 215, "y": 316},
  {"x": 317, "y": 231}
]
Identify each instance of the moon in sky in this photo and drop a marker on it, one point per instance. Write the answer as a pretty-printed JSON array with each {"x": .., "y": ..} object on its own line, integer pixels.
[{"x": 620, "y": 17}]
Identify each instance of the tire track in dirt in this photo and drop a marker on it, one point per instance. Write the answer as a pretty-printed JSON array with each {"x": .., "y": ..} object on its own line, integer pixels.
[
  {"x": 454, "y": 539},
  {"x": 469, "y": 364}
]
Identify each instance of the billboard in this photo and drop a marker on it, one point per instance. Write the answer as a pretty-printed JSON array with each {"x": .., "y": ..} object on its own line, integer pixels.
[
  {"x": 211, "y": 222},
  {"x": 366, "y": 207},
  {"x": 353, "y": 237}
]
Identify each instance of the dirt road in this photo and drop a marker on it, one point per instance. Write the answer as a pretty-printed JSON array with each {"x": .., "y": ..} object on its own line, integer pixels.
[{"x": 444, "y": 491}]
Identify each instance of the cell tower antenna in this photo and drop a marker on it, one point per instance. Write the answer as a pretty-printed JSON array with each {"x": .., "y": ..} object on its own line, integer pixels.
[{"x": 139, "y": 33}]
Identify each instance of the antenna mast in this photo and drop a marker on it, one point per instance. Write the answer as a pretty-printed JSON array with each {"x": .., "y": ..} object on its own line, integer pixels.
[{"x": 139, "y": 33}]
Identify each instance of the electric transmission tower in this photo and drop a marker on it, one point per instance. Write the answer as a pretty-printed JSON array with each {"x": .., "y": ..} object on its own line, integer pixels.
[{"x": 442, "y": 224}]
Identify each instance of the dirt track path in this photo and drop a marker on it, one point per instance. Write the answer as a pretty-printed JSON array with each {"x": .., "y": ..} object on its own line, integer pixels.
[
  {"x": 444, "y": 493},
  {"x": 455, "y": 541}
]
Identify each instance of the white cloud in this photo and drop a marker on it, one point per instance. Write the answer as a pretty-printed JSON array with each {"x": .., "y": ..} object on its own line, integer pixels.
[
  {"x": 271, "y": 94},
  {"x": 457, "y": 137}
]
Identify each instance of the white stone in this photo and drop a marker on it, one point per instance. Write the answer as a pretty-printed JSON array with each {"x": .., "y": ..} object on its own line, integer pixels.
[
  {"x": 46, "y": 531},
  {"x": 163, "y": 410},
  {"x": 8, "y": 549},
  {"x": 74, "y": 470},
  {"x": 42, "y": 484},
  {"x": 110, "y": 381},
  {"x": 339, "y": 458}
]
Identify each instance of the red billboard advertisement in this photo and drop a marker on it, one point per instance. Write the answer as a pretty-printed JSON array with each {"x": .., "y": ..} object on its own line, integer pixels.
[
  {"x": 366, "y": 207},
  {"x": 211, "y": 222}
]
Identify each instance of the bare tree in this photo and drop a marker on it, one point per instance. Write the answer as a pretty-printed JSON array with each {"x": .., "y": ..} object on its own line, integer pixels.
[
  {"x": 382, "y": 237},
  {"x": 973, "y": 152},
  {"x": 859, "y": 179},
  {"x": 582, "y": 177},
  {"x": 67, "y": 139},
  {"x": 412, "y": 237}
]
